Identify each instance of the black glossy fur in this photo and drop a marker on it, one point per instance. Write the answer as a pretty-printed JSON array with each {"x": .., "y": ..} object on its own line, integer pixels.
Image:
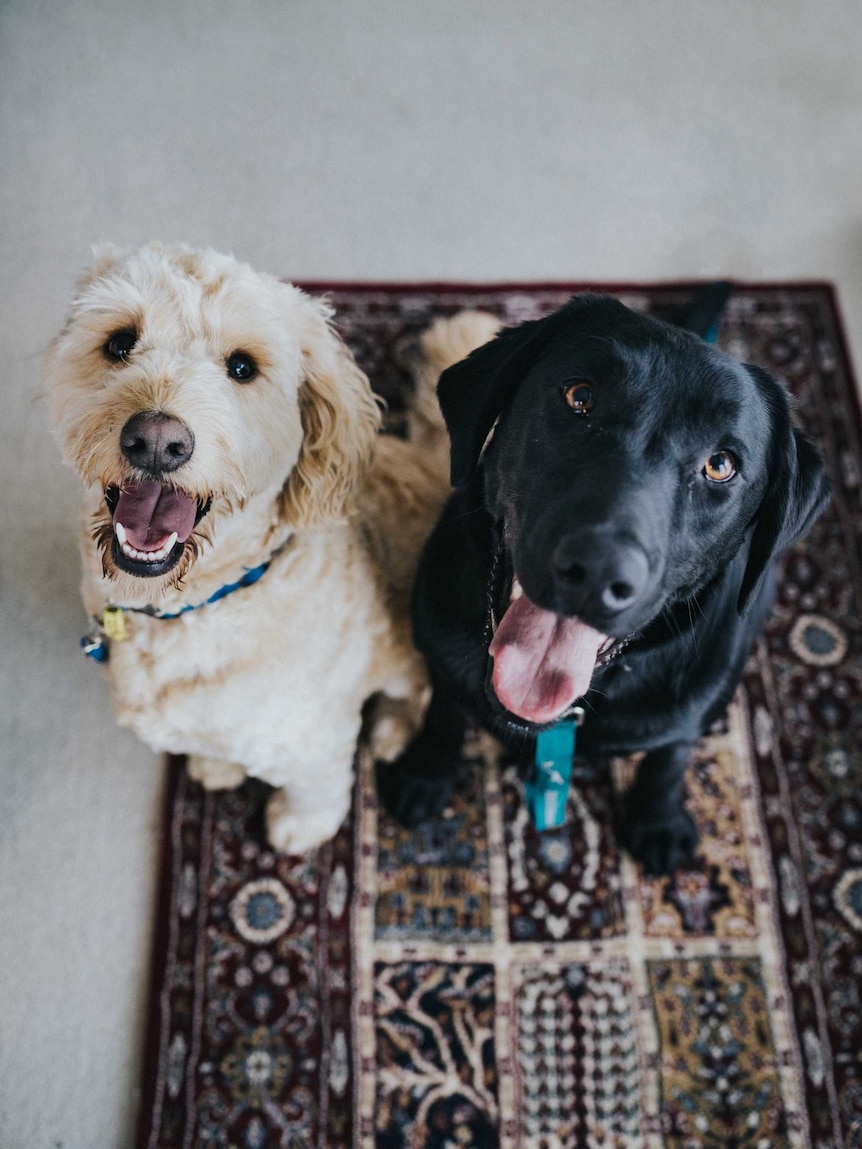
[{"x": 576, "y": 503}]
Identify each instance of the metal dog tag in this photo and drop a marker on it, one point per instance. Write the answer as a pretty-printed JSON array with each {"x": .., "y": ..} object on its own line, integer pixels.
[
  {"x": 114, "y": 623},
  {"x": 547, "y": 789},
  {"x": 95, "y": 646}
]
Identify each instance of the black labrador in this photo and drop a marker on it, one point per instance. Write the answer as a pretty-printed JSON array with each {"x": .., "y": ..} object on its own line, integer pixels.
[{"x": 623, "y": 490}]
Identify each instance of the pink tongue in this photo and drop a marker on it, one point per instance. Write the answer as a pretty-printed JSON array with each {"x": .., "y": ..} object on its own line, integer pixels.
[
  {"x": 151, "y": 513},
  {"x": 542, "y": 661}
]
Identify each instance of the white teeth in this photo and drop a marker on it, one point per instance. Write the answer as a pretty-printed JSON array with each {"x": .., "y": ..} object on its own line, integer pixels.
[{"x": 131, "y": 552}]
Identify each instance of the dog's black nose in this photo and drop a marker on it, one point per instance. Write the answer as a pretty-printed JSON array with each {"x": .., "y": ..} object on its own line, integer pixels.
[
  {"x": 156, "y": 443},
  {"x": 599, "y": 574}
]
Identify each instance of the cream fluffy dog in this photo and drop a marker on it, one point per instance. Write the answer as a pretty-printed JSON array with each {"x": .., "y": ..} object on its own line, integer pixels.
[{"x": 225, "y": 434}]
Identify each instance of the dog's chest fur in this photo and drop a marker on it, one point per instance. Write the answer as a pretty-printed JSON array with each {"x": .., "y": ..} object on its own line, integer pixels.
[{"x": 244, "y": 673}]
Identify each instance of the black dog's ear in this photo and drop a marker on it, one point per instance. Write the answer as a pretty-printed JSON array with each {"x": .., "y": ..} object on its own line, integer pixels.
[
  {"x": 798, "y": 488},
  {"x": 475, "y": 391}
]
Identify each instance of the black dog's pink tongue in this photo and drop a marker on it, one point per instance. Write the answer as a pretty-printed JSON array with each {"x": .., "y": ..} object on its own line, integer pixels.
[
  {"x": 542, "y": 661},
  {"x": 150, "y": 513}
]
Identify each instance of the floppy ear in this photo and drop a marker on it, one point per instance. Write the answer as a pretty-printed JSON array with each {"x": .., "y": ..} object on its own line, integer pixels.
[
  {"x": 475, "y": 392},
  {"x": 797, "y": 492},
  {"x": 340, "y": 420}
]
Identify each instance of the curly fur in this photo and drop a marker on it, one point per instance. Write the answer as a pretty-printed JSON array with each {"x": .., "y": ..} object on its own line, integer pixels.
[{"x": 272, "y": 680}]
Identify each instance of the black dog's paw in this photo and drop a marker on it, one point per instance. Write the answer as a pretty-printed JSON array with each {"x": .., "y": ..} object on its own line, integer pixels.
[
  {"x": 662, "y": 844},
  {"x": 410, "y": 795}
]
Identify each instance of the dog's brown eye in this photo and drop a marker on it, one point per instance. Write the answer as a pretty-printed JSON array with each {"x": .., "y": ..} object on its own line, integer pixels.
[
  {"x": 720, "y": 467},
  {"x": 241, "y": 367},
  {"x": 121, "y": 343},
  {"x": 579, "y": 397}
]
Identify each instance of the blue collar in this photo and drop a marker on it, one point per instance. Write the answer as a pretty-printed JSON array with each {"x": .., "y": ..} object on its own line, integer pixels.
[
  {"x": 250, "y": 576},
  {"x": 110, "y": 625}
]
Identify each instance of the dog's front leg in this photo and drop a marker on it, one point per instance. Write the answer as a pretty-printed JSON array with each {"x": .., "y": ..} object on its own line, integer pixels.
[
  {"x": 214, "y": 773},
  {"x": 419, "y": 785},
  {"x": 658, "y": 831},
  {"x": 297, "y": 818}
]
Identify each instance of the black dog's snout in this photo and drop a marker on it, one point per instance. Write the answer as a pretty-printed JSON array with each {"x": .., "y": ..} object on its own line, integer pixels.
[
  {"x": 156, "y": 442},
  {"x": 598, "y": 574}
]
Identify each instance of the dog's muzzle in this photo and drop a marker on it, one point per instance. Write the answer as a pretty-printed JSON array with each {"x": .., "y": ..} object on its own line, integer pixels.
[{"x": 152, "y": 524}]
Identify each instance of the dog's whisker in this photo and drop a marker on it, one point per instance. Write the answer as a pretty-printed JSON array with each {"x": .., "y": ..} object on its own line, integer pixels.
[
  {"x": 692, "y": 625},
  {"x": 465, "y": 515}
]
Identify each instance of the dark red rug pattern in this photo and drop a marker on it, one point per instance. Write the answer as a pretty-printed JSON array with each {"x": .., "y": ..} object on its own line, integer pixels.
[{"x": 477, "y": 984}]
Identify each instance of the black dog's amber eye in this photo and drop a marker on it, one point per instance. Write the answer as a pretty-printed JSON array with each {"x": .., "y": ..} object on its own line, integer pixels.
[
  {"x": 121, "y": 343},
  {"x": 720, "y": 467},
  {"x": 242, "y": 367},
  {"x": 579, "y": 397}
]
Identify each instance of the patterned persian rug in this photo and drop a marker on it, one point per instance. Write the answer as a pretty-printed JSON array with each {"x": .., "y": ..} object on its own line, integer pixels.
[{"x": 475, "y": 984}]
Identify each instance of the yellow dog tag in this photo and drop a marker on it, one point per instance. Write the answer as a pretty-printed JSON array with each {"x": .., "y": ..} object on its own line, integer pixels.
[{"x": 114, "y": 623}]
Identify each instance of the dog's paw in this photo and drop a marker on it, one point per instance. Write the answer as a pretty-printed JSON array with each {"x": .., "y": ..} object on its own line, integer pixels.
[
  {"x": 215, "y": 774},
  {"x": 389, "y": 734},
  {"x": 661, "y": 845},
  {"x": 410, "y": 796},
  {"x": 291, "y": 830}
]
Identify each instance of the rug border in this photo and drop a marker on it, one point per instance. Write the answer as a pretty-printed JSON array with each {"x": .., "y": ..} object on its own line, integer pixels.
[
  {"x": 415, "y": 286},
  {"x": 842, "y": 333},
  {"x": 172, "y": 767}
]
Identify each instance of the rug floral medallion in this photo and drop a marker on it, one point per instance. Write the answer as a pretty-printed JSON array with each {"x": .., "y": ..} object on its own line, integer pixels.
[{"x": 474, "y": 984}]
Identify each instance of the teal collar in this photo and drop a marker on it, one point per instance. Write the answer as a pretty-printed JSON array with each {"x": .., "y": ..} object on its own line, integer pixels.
[
  {"x": 96, "y": 644},
  {"x": 547, "y": 788}
]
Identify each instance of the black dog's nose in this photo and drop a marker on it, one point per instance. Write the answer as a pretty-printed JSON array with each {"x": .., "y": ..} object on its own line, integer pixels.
[
  {"x": 599, "y": 574},
  {"x": 156, "y": 442}
]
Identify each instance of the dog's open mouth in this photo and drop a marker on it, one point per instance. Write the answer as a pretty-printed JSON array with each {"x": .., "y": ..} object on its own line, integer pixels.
[
  {"x": 152, "y": 523},
  {"x": 542, "y": 662}
]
